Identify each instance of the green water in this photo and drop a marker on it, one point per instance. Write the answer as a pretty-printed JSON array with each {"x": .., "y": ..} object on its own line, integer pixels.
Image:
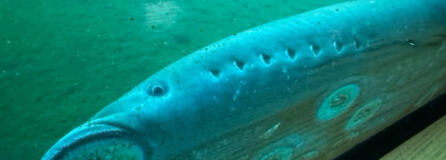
[{"x": 63, "y": 60}]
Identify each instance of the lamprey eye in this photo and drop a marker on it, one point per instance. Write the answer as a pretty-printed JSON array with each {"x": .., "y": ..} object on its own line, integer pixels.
[{"x": 157, "y": 89}]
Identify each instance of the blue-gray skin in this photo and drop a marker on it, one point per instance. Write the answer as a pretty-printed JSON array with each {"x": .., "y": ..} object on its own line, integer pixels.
[{"x": 252, "y": 75}]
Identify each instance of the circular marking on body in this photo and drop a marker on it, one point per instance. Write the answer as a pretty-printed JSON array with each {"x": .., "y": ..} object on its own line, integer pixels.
[
  {"x": 283, "y": 153},
  {"x": 215, "y": 73},
  {"x": 266, "y": 58},
  {"x": 338, "y": 102},
  {"x": 291, "y": 53},
  {"x": 338, "y": 46},
  {"x": 315, "y": 49},
  {"x": 363, "y": 114},
  {"x": 239, "y": 64}
]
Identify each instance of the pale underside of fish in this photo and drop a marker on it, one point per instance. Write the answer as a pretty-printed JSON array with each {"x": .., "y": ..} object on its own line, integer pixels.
[{"x": 310, "y": 86}]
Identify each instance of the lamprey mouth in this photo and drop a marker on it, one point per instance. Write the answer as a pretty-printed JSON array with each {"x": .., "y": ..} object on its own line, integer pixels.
[{"x": 99, "y": 142}]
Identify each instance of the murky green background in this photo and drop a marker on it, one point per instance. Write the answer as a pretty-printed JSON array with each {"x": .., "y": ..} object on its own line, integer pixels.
[{"x": 63, "y": 60}]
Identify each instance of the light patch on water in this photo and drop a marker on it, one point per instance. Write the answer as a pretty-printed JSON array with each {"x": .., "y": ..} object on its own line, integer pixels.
[
  {"x": 200, "y": 155},
  {"x": 237, "y": 92},
  {"x": 442, "y": 49},
  {"x": 284, "y": 70},
  {"x": 443, "y": 71},
  {"x": 215, "y": 98},
  {"x": 415, "y": 75},
  {"x": 401, "y": 81},
  {"x": 163, "y": 13},
  {"x": 270, "y": 131},
  {"x": 389, "y": 78},
  {"x": 431, "y": 64}
]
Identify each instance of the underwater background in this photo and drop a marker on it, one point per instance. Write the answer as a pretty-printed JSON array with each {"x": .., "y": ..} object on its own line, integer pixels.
[{"x": 62, "y": 61}]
